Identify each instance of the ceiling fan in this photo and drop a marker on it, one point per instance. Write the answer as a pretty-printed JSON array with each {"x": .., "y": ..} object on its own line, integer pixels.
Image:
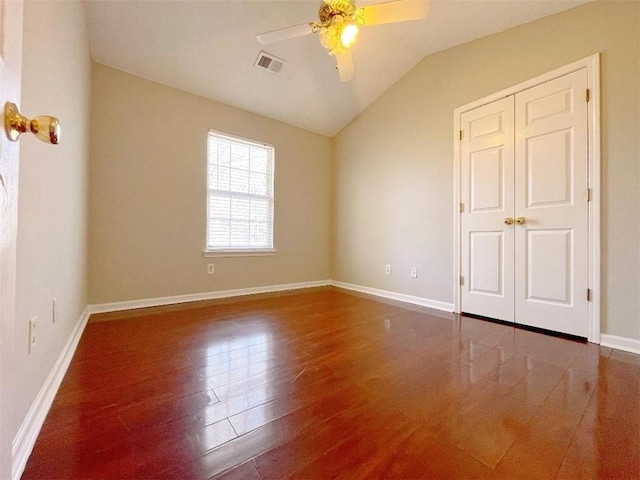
[{"x": 339, "y": 21}]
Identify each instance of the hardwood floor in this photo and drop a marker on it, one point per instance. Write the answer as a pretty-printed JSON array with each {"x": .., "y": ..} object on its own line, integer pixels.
[{"x": 328, "y": 384}]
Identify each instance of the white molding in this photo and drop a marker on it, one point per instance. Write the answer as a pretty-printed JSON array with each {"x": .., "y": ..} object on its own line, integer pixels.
[
  {"x": 631, "y": 345},
  {"x": 457, "y": 268},
  {"x": 196, "y": 297},
  {"x": 424, "y": 302},
  {"x": 592, "y": 65},
  {"x": 587, "y": 62},
  {"x": 26, "y": 437},
  {"x": 258, "y": 252},
  {"x": 593, "y": 108}
]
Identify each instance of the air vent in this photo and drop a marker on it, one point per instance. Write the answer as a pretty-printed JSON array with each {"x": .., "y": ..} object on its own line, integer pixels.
[{"x": 269, "y": 63}]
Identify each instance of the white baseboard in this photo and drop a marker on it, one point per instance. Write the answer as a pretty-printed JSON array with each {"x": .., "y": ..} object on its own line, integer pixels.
[
  {"x": 196, "y": 297},
  {"x": 424, "y": 302},
  {"x": 620, "y": 343},
  {"x": 26, "y": 437}
]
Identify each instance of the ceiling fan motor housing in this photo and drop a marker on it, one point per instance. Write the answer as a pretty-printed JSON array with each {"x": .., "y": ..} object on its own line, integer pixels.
[{"x": 330, "y": 8}]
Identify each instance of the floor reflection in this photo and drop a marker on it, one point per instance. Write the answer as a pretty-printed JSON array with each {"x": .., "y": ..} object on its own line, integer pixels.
[{"x": 237, "y": 371}]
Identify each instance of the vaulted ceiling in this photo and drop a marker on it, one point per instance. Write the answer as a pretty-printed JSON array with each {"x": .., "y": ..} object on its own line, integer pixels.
[{"x": 209, "y": 48}]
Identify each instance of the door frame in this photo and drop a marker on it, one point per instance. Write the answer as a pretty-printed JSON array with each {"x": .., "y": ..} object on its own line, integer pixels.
[
  {"x": 592, "y": 65},
  {"x": 11, "y": 34}
]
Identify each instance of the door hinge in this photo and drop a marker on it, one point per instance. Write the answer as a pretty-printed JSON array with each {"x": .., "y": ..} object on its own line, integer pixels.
[
  {"x": 588, "y": 294},
  {"x": 588, "y": 95},
  {"x": 461, "y": 207},
  {"x": 588, "y": 194},
  {"x": 461, "y": 280},
  {"x": 461, "y": 134}
]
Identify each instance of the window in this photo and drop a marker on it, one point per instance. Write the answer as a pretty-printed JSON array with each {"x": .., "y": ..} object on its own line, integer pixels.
[{"x": 239, "y": 195}]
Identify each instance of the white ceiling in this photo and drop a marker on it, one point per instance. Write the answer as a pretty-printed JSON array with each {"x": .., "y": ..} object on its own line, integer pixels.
[{"x": 209, "y": 48}]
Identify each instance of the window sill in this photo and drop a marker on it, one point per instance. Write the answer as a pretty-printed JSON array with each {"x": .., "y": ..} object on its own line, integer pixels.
[{"x": 259, "y": 252}]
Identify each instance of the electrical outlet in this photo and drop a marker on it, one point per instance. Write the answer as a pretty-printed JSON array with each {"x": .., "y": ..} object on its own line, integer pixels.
[
  {"x": 210, "y": 269},
  {"x": 387, "y": 269},
  {"x": 414, "y": 272},
  {"x": 54, "y": 313},
  {"x": 32, "y": 333}
]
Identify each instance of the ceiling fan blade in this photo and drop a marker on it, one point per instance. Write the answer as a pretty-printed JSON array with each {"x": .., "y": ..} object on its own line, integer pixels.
[
  {"x": 285, "y": 33},
  {"x": 344, "y": 62},
  {"x": 391, "y": 12}
]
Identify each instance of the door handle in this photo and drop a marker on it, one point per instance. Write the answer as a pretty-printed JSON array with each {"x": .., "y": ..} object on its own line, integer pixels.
[
  {"x": 508, "y": 220},
  {"x": 45, "y": 128},
  {"x": 521, "y": 220}
]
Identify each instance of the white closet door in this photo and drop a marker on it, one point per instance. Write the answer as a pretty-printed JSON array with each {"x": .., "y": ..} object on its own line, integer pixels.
[
  {"x": 487, "y": 186},
  {"x": 551, "y": 170}
]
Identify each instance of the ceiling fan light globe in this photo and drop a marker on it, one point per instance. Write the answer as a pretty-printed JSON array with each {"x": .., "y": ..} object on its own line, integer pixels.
[
  {"x": 328, "y": 37},
  {"x": 349, "y": 35}
]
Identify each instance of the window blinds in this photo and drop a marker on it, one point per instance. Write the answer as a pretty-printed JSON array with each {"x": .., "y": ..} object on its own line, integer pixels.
[{"x": 240, "y": 194}]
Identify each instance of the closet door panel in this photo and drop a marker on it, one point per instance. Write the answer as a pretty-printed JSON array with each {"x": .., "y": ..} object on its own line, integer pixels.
[
  {"x": 551, "y": 168},
  {"x": 487, "y": 178}
]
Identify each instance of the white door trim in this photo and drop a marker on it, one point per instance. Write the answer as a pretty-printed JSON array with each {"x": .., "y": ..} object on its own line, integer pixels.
[{"x": 592, "y": 65}]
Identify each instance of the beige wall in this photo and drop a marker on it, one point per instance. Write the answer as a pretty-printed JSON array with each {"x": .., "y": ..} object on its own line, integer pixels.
[
  {"x": 393, "y": 166},
  {"x": 52, "y": 208},
  {"x": 148, "y": 192}
]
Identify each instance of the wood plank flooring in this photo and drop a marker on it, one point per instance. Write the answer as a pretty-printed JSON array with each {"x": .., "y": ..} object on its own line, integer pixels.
[{"x": 328, "y": 384}]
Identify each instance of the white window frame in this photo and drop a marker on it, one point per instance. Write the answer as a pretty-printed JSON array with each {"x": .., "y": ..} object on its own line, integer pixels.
[{"x": 240, "y": 251}]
